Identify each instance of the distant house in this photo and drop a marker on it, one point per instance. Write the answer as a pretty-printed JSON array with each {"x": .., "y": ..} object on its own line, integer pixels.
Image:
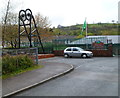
[{"x": 59, "y": 26}]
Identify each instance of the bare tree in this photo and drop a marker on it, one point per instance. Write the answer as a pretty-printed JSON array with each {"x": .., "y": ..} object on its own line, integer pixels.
[
  {"x": 9, "y": 26},
  {"x": 11, "y": 34},
  {"x": 43, "y": 24},
  {"x": 5, "y": 22},
  {"x": 41, "y": 21}
]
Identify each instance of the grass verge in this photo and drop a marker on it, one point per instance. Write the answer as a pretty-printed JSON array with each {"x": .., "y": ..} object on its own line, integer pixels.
[{"x": 21, "y": 71}]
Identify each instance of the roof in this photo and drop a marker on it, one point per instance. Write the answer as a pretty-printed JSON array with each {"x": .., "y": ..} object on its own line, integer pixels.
[
  {"x": 115, "y": 38},
  {"x": 90, "y": 39}
]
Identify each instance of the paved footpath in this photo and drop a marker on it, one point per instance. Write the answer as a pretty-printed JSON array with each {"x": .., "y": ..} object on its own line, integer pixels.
[{"x": 30, "y": 79}]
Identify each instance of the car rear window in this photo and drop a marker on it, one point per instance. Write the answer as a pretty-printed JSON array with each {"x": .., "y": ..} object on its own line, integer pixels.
[{"x": 69, "y": 49}]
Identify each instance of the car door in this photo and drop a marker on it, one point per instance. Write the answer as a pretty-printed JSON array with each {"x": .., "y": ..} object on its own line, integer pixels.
[
  {"x": 75, "y": 52},
  {"x": 69, "y": 51}
]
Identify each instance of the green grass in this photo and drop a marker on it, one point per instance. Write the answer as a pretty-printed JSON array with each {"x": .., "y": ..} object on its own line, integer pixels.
[{"x": 21, "y": 71}]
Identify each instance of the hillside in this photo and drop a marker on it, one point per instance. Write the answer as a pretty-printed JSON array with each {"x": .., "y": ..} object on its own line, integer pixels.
[{"x": 92, "y": 29}]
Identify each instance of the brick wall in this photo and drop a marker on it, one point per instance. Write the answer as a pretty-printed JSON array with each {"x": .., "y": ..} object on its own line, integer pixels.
[
  {"x": 58, "y": 52},
  {"x": 96, "y": 53},
  {"x": 103, "y": 53}
]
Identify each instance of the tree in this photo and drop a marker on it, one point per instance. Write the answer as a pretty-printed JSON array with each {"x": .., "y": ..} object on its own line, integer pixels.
[
  {"x": 80, "y": 36},
  {"x": 43, "y": 25},
  {"x": 4, "y": 22},
  {"x": 11, "y": 30},
  {"x": 58, "y": 32},
  {"x": 113, "y": 21},
  {"x": 42, "y": 21},
  {"x": 9, "y": 23},
  {"x": 9, "y": 26}
]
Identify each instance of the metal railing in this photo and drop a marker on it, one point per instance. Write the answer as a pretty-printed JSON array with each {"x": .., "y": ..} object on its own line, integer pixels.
[{"x": 85, "y": 43}]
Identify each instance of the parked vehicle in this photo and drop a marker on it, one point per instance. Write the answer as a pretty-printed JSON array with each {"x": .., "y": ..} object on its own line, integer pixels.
[{"x": 77, "y": 52}]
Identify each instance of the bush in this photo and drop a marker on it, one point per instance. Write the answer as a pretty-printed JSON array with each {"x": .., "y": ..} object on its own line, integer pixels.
[{"x": 13, "y": 63}]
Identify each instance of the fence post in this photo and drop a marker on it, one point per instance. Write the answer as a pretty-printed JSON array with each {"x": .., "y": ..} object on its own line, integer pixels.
[{"x": 36, "y": 55}]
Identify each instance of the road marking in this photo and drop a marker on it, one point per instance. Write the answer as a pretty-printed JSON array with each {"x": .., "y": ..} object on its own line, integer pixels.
[{"x": 77, "y": 67}]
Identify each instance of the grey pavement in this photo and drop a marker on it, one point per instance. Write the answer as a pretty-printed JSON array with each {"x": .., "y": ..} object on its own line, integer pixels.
[
  {"x": 35, "y": 77},
  {"x": 97, "y": 76}
]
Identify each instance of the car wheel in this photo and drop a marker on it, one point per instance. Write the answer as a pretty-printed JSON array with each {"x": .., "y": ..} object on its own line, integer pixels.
[
  {"x": 66, "y": 55},
  {"x": 84, "y": 55}
]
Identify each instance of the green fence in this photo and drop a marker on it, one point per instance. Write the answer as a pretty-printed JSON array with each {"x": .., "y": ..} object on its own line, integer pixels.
[
  {"x": 116, "y": 49},
  {"x": 48, "y": 46},
  {"x": 85, "y": 43},
  {"x": 61, "y": 44}
]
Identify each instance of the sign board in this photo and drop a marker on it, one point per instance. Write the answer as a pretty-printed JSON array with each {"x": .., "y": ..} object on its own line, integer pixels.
[{"x": 98, "y": 45}]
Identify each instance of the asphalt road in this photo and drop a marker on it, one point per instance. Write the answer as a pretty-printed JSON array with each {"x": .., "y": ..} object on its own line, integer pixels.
[{"x": 97, "y": 76}]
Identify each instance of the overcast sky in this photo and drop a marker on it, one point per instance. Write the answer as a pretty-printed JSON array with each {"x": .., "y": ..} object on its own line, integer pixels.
[{"x": 71, "y": 12}]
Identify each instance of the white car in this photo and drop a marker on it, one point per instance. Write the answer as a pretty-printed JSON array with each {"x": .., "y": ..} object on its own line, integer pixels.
[{"x": 77, "y": 52}]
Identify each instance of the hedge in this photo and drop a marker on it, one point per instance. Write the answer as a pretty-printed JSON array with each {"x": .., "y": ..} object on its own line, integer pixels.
[{"x": 13, "y": 63}]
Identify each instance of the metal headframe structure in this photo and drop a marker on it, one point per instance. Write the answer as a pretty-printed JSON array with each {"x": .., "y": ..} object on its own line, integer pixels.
[{"x": 26, "y": 23}]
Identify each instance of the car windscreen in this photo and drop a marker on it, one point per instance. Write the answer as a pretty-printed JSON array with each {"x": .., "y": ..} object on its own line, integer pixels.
[{"x": 81, "y": 49}]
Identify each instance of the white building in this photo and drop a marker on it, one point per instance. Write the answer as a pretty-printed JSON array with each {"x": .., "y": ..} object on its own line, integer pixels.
[
  {"x": 115, "y": 38},
  {"x": 103, "y": 38}
]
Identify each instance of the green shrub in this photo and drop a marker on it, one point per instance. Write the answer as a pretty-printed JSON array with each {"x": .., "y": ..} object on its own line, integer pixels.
[{"x": 14, "y": 63}]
